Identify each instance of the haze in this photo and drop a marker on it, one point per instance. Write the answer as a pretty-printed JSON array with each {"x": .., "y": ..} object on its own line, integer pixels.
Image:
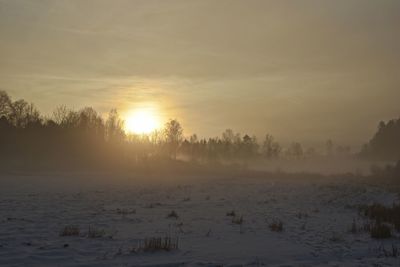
[{"x": 300, "y": 70}]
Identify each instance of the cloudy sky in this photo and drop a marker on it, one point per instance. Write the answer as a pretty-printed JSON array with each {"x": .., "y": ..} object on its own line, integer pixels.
[{"x": 302, "y": 70}]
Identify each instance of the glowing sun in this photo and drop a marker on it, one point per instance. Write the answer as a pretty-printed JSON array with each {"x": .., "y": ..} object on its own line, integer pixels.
[{"x": 142, "y": 122}]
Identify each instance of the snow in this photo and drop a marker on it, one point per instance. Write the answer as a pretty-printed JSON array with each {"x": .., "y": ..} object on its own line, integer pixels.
[{"x": 317, "y": 214}]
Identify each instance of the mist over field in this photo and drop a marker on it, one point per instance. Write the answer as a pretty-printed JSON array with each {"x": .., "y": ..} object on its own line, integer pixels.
[{"x": 166, "y": 133}]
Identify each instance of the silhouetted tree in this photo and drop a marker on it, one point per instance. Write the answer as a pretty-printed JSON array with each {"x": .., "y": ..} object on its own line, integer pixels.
[
  {"x": 114, "y": 128},
  {"x": 84, "y": 138},
  {"x": 173, "y": 132},
  {"x": 295, "y": 151},
  {"x": 385, "y": 144},
  {"x": 249, "y": 147},
  {"x": 22, "y": 114},
  {"x": 270, "y": 148},
  {"x": 228, "y": 143},
  {"x": 5, "y": 105},
  {"x": 60, "y": 115},
  {"x": 194, "y": 147}
]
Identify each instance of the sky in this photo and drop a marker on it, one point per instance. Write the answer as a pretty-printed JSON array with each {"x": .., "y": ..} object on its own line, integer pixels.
[{"x": 301, "y": 70}]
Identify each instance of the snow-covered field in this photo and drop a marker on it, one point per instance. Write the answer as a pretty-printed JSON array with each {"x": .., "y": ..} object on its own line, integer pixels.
[{"x": 317, "y": 215}]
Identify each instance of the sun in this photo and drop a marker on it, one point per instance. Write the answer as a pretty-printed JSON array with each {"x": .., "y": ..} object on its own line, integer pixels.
[{"x": 142, "y": 121}]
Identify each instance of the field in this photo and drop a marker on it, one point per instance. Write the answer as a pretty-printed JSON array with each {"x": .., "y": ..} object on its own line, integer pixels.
[{"x": 238, "y": 220}]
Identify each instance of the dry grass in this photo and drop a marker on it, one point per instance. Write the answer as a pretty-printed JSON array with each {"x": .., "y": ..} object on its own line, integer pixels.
[
  {"x": 126, "y": 211},
  {"x": 381, "y": 214},
  {"x": 95, "y": 232},
  {"x": 153, "y": 205},
  {"x": 336, "y": 237},
  {"x": 155, "y": 244},
  {"x": 237, "y": 220},
  {"x": 380, "y": 231},
  {"x": 70, "y": 230},
  {"x": 391, "y": 252},
  {"x": 276, "y": 226},
  {"x": 231, "y": 213},
  {"x": 383, "y": 219}
]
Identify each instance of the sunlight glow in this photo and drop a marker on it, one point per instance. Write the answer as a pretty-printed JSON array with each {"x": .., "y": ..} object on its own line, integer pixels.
[{"x": 142, "y": 121}]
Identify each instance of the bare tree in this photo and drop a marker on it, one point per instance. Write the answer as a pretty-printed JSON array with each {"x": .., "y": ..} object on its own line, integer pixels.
[
  {"x": 271, "y": 148},
  {"x": 295, "y": 151},
  {"x": 114, "y": 127},
  {"x": 60, "y": 115},
  {"x": 23, "y": 114},
  {"x": 173, "y": 132},
  {"x": 5, "y": 105},
  {"x": 249, "y": 146}
]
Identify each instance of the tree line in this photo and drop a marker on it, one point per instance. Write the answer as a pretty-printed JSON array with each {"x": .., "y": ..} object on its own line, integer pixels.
[{"x": 84, "y": 138}]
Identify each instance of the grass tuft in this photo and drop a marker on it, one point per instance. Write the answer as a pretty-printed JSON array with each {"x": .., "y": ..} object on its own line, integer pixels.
[
  {"x": 231, "y": 213},
  {"x": 125, "y": 212},
  {"x": 155, "y": 244},
  {"x": 70, "y": 230},
  {"x": 380, "y": 214},
  {"x": 237, "y": 220},
  {"x": 276, "y": 226},
  {"x": 95, "y": 232}
]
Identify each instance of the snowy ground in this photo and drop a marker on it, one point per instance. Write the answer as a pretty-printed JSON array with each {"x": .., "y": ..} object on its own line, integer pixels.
[{"x": 317, "y": 216}]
